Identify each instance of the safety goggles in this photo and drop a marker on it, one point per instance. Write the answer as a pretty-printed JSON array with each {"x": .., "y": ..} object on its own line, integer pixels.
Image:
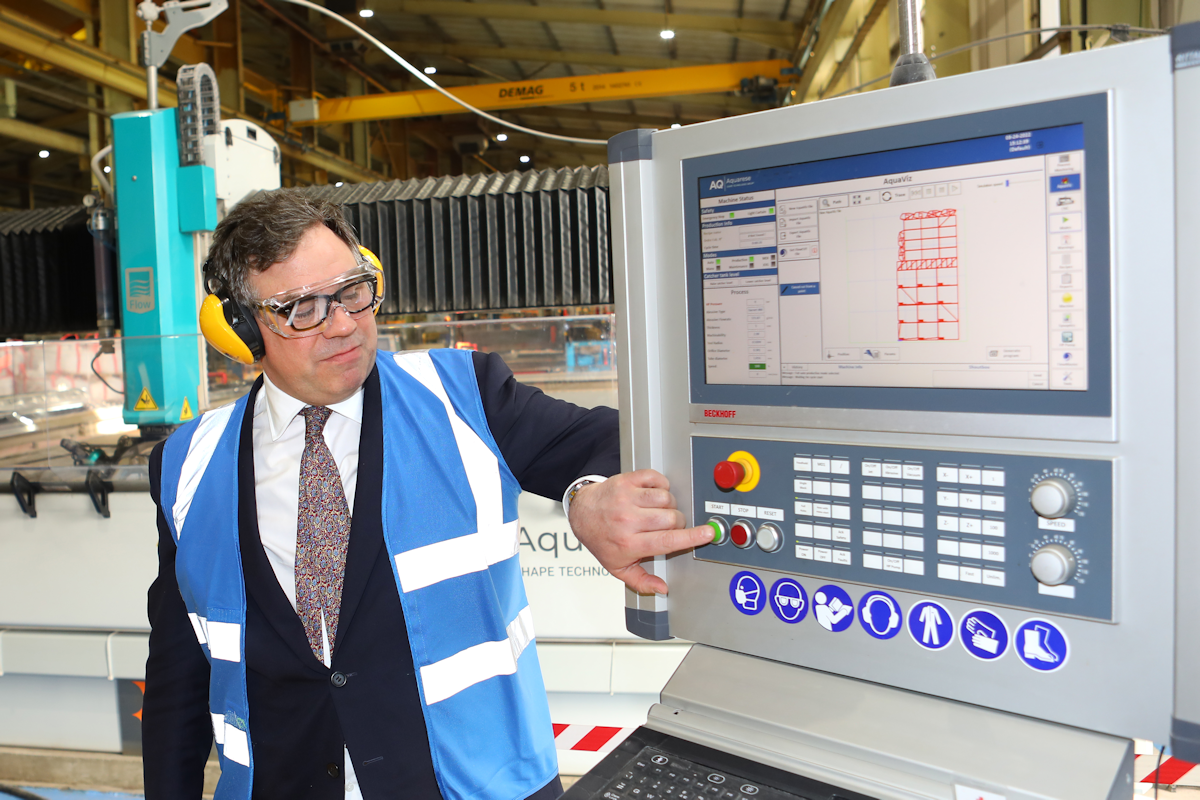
[{"x": 305, "y": 310}]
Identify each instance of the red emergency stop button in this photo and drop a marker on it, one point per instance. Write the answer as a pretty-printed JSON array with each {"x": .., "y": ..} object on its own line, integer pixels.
[
  {"x": 742, "y": 534},
  {"x": 728, "y": 474}
]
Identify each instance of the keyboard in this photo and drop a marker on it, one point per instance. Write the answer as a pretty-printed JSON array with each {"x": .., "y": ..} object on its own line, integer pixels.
[
  {"x": 650, "y": 765},
  {"x": 656, "y": 775}
]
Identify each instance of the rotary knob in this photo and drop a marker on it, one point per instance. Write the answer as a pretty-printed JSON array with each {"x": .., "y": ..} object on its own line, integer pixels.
[
  {"x": 742, "y": 534},
  {"x": 1053, "y": 498},
  {"x": 769, "y": 538},
  {"x": 1053, "y": 564}
]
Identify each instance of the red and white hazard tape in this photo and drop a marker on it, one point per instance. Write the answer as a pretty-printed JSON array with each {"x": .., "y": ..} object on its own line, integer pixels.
[
  {"x": 1172, "y": 772},
  {"x": 589, "y": 738}
]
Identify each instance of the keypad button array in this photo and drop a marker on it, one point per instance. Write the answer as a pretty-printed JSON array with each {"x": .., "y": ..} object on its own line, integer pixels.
[
  {"x": 970, "y": 475},
  {"x": 969, "y": 502}
]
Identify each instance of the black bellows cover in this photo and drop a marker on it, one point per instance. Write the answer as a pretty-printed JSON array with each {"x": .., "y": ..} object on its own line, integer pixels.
[
  {"x": 47, "y": 272},
  {"x": 489, "y": 241}
]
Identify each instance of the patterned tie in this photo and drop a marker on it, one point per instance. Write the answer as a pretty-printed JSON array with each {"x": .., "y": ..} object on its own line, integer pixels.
[{"x": 322, "y": 533}]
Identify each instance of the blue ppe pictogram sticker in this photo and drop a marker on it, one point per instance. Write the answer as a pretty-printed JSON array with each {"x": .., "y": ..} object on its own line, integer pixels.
[
  {"x": 983, "y": 634},
  {"x": 931, "y": 625},
  {"x": 833, "y": 608},
  {"x": 789, "y": 601},
  {"x": 1041, "y": 645},
  {"x": 748, "y": 593},
  {"x": 880, "y": 615}
]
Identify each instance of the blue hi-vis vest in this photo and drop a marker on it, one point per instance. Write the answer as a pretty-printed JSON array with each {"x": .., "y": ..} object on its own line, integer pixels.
[{"x": 469, "y": 623}]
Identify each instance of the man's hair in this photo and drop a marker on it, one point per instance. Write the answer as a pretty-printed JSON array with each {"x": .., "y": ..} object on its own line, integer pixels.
[{"x": 264, "y": 230}]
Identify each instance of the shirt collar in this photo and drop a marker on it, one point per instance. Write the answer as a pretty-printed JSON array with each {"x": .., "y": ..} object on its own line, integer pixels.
[{"x": 282, "y": 408}]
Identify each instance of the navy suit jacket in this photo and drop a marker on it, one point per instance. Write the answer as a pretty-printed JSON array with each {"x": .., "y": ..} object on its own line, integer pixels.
[{"x": 299, "y": 714}]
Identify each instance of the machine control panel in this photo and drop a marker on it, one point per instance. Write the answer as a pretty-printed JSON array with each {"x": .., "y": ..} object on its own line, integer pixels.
[{"x": 1030, "y": 532}]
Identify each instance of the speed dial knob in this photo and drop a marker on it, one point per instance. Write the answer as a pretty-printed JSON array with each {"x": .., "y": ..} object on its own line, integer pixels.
[
  {"x": 1053, "y": 498},
  {"x": 1053, "y": 565}
]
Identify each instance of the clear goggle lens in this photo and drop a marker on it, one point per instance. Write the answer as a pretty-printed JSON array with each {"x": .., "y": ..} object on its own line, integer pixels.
[{"x": 308, "y": 315}]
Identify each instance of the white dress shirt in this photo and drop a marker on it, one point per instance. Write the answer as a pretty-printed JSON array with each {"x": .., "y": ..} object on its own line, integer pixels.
[{"x": 278, "y": 431}]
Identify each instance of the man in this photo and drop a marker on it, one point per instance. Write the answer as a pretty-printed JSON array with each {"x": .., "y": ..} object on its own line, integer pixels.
[{"x": 339, "y": 601}]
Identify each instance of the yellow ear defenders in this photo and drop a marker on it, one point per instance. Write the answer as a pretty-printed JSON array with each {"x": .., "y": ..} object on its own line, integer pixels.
[
  {"x": 375, "y": 262},
  {"x": 227, "y": 325},
  {"x": 231, "y": 328}
]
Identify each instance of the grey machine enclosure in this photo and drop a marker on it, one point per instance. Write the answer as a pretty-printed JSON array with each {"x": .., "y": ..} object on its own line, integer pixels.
[{"x": 886, "y": 716}]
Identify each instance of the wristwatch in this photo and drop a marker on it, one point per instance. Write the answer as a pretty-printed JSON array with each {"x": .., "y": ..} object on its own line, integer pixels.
[{"x": 574, "y": 488}]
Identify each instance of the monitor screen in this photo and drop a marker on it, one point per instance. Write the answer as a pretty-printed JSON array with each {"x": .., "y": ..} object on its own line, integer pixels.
[{"x": 957, "y": 264}]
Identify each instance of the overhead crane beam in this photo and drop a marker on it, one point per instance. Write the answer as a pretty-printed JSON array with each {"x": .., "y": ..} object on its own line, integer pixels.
[
  {"x": 45, "y": 137},
  {"x": 773, "y": 33},
  {"x": 26, "y": 36},
  {"x": 466, "y": 51},
  {"x": 548, "y": 92}
]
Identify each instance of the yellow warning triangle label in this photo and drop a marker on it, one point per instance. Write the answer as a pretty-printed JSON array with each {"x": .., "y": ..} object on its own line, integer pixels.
[
  {"x": 145, "y": 402},
  {"x": 186, "y": 413}
]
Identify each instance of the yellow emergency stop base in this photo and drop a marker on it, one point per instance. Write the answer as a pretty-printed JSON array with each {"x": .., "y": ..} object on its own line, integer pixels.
[{"x": 750, "y": 463}]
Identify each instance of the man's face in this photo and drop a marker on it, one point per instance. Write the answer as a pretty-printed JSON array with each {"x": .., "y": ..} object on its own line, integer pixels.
[{"x": 330, "y": 366}]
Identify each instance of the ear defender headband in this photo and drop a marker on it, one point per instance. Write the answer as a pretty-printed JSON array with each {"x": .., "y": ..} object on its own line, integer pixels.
[
  {"x": 375, "y": 262},
  {"x": 231, "y": 328}
]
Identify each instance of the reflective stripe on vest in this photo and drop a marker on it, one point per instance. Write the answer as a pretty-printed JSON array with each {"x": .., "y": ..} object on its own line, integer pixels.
[{"x": 450, "y": 526}]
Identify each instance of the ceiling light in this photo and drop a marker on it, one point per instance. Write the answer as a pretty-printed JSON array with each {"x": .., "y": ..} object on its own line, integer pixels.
[
  {"x": 431, "y": 70},
  {"x": 43, "y": 153},
  {"x": 107, "y": 169},
  {"x": 336, "y": 185},
  {"x": 676, "y": 125},
  {"x": 667, "y": 33},
  {"x": 366, "y": 13},
  {"x": 501, "y": 137},
  {"x": 524, "y": 159}
]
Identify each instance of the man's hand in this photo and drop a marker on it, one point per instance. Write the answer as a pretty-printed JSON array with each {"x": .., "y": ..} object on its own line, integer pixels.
[{"x": 630, "y": 517}]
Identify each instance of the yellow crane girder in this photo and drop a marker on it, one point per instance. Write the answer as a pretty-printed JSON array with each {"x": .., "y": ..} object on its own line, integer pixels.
[{"x": 547, "y": 92}]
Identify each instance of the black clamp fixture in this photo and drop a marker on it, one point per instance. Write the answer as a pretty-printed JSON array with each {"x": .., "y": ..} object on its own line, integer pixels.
[
  {"x": 98, "y": 489},
  {"x": 24, "y": 491}
]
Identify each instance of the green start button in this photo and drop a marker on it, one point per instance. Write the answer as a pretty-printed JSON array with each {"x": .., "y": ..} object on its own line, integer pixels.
[{"x": 758, "y": 366}]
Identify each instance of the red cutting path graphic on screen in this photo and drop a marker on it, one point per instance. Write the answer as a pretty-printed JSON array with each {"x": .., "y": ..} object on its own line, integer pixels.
[{"x": 927, "y": 276}]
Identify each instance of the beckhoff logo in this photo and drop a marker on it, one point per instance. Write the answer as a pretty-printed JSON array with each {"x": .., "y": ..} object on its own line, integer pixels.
[
  {"x": 720, "y": 412},
  {"x": 719, "y": 183}
]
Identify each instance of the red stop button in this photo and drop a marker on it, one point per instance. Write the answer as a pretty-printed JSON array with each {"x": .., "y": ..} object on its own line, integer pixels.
[
  {"x": 728, "y": 474},
  {"x": 741, "y": 534}
]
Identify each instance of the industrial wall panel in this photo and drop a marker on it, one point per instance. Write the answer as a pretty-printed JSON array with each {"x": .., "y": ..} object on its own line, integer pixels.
[
  {"x": 438, "y": 248},
  {"x": 492, "y": 253},
  {"x": 474, "y": 254},
  {"x": 511, "y": 275},
  {"x": 47, "y": 274},
  {"x": 489, "y": 241},
  {"x": 128, "y": 653},
  {"x": 545, "y": 210},
  {"x": 51, "y": 653},
  {"x": 456, "y": 214},
  {"x": 59, "y": 713},
  {"x": 566, "y": 270}
]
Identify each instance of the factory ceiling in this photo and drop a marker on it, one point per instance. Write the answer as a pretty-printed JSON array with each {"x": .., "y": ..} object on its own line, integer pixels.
[{"x": 586, "y": 69}]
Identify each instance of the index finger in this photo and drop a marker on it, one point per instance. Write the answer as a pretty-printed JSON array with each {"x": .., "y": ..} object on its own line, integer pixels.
[{"x": 662, "y": 543}]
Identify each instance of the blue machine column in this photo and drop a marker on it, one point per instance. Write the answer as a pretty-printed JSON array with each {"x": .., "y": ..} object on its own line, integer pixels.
[{"x": 159, "y": 206}]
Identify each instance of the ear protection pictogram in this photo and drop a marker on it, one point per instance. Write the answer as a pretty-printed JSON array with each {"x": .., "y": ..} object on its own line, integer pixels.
[{"x": 232, "y": 329}]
